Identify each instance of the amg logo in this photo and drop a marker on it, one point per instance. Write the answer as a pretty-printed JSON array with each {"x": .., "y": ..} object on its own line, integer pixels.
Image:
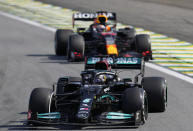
[{"x": 91, "y": 15}]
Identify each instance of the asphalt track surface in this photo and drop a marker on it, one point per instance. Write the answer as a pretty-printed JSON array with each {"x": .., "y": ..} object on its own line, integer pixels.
[
  {"x": 27, "y": 61},
  {"x": 171, "y": 17}
]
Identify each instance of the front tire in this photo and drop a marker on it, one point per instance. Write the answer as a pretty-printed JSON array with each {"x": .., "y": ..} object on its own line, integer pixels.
[
  {"x": 40, "y": 102},
  {"x": 135, "y": 100},
  {"x": 156, "y": 89}
]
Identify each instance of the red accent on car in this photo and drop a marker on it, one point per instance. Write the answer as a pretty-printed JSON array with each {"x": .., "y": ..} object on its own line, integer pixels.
[
  {"x": 77, "y": 55},
  {"x": 108, "y": 33},
  {"x": 29, "y": 114},
  {"x": 85, "y": 60},
  {"x": 127, "y": 55},
  {"x": 144, "y": 53}
]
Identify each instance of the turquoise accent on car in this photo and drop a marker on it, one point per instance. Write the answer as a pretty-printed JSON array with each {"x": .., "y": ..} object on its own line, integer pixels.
[
  {"x": 86, "y": 100},
  {"x": 117, "y": 115},
  {"x": 105, "y": 96},
  {"x": 51, "y": 115}
]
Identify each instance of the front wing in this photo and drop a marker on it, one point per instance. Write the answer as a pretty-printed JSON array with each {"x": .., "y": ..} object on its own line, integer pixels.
[{"x": 106, "y": 119}]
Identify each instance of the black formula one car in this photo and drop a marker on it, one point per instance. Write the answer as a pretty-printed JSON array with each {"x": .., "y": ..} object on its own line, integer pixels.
[
  {"x": 100, "y": 96},
  {"x": 101, "y": 37}
]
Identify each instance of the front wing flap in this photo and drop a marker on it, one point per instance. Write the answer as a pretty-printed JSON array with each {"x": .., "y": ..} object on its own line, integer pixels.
[{"x": 106, "y": 118}]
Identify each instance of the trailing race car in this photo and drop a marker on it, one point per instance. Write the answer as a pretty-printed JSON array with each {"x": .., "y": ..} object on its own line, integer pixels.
[
  {"x": 100, "y": 96},
  {"x": 100, "y": 38}
]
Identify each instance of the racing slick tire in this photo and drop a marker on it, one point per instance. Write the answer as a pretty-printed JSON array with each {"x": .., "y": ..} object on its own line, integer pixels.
[
  {"x": 76, "y": 45},
  {"x": 132, "y": 102},
  {"x": 156, "y": 89},
  {"x": 61, "y": 41},
  {"x": 142, "y": 43},
  {"x": 127, "y": 33},
  {"x": 40, "y": 102}
]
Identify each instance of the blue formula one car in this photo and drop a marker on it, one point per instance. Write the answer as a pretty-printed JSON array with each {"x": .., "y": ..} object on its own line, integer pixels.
[
  {"x": 100, "y": 96},
  {"x": 102, "y": 37}
]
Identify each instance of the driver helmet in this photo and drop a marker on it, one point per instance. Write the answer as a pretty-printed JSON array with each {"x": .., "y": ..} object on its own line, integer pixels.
[
  {"x": 101, "y": 79},
  {"x": 101, "y": 19},
  {"x": 100, "y": 28}
]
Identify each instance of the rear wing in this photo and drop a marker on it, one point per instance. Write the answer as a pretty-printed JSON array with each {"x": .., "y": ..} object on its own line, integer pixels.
[
  {"x": 115, "y": 62},
  {"x": 92, "y": 16}
]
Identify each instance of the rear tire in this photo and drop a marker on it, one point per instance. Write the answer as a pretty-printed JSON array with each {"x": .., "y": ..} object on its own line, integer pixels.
[
  {"x": 156, "y": 89},
  {"x": 61, "y": 41},
  {"x": 142, "y": 43},
  {"x": 76, "y": 44},
  {"x": 127, "y": 33}
]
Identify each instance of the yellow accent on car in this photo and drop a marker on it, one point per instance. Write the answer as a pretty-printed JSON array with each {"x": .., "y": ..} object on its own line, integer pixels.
[{"x": 112, "y": 49}]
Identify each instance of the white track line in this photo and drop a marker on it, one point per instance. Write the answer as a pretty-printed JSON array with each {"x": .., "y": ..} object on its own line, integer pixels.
[
  {"x": 170, "y": 72},
  {"x": 28, "y": 21},
  {"x": 151, "y": 65}
]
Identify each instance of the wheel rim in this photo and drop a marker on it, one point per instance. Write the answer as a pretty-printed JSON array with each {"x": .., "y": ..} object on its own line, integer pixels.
[
  {"x": 71, "y": 56},
  {"x": 144, "y": 112},
  {"x": 56, "y": 44},
  {"x": 165, "y": 99}
]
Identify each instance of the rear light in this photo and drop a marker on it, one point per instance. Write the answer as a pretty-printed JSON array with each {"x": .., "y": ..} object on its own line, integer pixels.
[
  {"x": 144, "y": 53},
  {"x": 76, "y": 54}
]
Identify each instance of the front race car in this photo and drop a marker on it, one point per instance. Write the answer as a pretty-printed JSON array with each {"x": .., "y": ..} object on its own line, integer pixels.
[{"x": 98, "y": 97}]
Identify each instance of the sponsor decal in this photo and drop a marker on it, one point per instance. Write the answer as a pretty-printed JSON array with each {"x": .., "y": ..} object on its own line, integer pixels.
[
  {"x": 84, "y": 104},
  {"x": 83, "y": 116},
  {"x": 84, "y": 109},
  {"x": 120, "y": 60},
  {"x": 106, "y": 90},
  {"x": 82, "y": 112},
  {"x": 91, "y": 15},
  {"x": 87, "y": 100}
]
